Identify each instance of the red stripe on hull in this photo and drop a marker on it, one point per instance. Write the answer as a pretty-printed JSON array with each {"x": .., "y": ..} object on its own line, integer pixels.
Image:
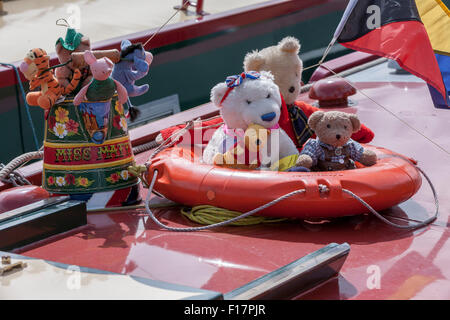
[
  {"x": 119, "y": 197},
  {"x": 406, "y": 42}
]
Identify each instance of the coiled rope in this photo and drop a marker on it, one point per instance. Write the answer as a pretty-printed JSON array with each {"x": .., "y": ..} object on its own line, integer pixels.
[
  {"x": 7, "y": 172},
  {"x": 208, "y": 215}
]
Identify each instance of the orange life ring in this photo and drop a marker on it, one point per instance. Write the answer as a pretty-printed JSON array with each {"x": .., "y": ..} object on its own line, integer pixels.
[{"x": 392, "y": 180}]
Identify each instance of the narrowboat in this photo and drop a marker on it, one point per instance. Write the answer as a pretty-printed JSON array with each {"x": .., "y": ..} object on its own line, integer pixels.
[{"x": 347, "y": 247}]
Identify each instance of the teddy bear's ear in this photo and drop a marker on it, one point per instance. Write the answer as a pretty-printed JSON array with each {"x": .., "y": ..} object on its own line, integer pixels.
[
  {"x": 314, "y": 119},
  {"x": 290, "y": 45},
  {"x": 253, "y": 61},
  {"x": 355, "y": 122},
  {"x": 218, "y": 92}
]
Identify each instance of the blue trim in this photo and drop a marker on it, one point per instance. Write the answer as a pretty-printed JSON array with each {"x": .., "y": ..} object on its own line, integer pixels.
[
  {"x": 444, "y": 65},
  {"x": 437, "y": 98},
  {"x": 133, "y": 197},
  {"x": 81, "y": 196}
]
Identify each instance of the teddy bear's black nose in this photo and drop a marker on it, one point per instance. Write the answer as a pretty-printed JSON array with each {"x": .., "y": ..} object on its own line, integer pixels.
[
  {"x": 291, "y": 89},
  {"x": 338, "y": 136}
]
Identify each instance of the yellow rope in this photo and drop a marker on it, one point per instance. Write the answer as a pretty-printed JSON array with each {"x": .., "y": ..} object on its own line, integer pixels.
[{"x": 206, "y": 214}]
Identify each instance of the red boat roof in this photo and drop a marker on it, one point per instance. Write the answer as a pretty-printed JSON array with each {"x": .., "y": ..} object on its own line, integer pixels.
[{"x": 384, "y": 262}]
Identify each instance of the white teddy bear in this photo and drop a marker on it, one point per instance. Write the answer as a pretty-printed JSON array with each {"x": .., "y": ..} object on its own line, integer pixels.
[{"x": 250, "y": 98}]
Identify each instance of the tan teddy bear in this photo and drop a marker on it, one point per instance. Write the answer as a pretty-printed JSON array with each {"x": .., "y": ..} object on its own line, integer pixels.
[
  {"x": 284, "y": 62},
  {"x": 333, "y": 149}
]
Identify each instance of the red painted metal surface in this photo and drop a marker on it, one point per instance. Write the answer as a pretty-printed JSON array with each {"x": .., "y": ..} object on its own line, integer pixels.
[
  {"x": 331, "y": 92},
  {"x": 21, "y": 196},
  {"x": 383, "y": 262},
  {"x": 342, "y": 63}
]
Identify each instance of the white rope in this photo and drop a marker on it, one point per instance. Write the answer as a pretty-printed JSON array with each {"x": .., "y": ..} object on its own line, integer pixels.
[
  {"x": 167, "y": 21},
  {"x": 7, "y": 170},
  {"x": 322, "y": 189},
  {"x": 173, "y": 139},
  {"x": 215, "y": 225}
]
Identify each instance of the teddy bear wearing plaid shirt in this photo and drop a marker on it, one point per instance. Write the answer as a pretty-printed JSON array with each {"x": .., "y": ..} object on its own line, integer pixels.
[
  {"x": 330, "y": 158},
  {"x": 333, "y": 149}
]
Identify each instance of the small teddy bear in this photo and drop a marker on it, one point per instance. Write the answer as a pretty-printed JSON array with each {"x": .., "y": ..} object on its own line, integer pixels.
[
  {"x": 245, "y": 153},
  {"x": 333, "y": 149},
  {"x": 250, "y": 98},
  {"x": 283, "y": 61}
]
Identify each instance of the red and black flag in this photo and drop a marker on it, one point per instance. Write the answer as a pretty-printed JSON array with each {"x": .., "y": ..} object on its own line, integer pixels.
[{"x": 391, "y": 29}]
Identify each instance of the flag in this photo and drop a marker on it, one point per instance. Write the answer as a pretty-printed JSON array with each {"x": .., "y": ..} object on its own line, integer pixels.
[
  {"x": 436, "y": 19},
  {"x": 394, "y": 29}
]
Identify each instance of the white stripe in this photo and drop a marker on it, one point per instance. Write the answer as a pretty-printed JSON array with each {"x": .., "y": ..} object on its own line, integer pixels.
[{"x": 99, "y": 200}]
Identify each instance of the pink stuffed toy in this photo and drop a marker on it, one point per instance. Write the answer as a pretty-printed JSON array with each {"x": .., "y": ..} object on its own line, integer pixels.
[{"x": 102, "y": 87}]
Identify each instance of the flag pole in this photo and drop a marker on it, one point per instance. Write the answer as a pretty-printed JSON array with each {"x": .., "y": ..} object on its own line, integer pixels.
[{"x": 348, "y": 10}]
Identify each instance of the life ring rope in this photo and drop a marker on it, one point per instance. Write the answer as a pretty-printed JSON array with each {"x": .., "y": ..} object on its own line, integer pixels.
[
  {"x": 409, "y": 226},
  {"x": 322, "y": 189},
  {"x": 219, "y": 224}
]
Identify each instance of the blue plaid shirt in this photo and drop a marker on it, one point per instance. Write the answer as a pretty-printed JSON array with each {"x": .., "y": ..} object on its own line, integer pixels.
[{"x": 314, "y": 149}]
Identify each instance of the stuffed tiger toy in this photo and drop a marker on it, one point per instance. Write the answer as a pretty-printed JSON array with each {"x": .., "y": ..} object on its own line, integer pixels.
[{"x": 36, "y": 68}]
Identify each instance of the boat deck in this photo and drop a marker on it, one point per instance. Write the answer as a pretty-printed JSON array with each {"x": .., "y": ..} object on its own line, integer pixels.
[
  {"x": 384, "y": 262},
  {"x": 33, "y": 22}
]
